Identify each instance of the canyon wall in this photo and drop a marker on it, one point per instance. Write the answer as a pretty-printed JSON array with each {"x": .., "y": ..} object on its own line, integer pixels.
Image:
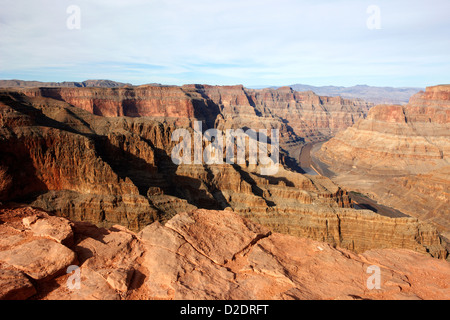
[
  {"x": 300, "y": 116},
  {"x": 400, "y": 155},
  {"x": 118, "y": 170}
]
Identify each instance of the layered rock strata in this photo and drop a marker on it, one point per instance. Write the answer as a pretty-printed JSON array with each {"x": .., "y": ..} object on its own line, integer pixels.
[
  {"x": 400, "y": 155},
  {"x": 299, "y": 116},
  {"x": 118, "y": 170}
]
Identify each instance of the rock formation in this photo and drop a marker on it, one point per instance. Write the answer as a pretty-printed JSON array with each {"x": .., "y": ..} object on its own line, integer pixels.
[
  {"x": 97, "y": 163},
  {"x": 118, "y": 170},
  {"x": 198, "y": 255},
  {"x": 399, "y": 155},
  {"x": 299, "y": 116}
]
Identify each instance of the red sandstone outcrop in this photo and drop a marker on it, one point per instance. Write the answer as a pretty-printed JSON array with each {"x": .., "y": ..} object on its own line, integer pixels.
[
  {"x": 202, "y": 255},
  {"x": 400, "y": 155}
]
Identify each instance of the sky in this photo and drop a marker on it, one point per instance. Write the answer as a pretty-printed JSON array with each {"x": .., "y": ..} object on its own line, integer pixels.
[{"x": 250, "y": 42}]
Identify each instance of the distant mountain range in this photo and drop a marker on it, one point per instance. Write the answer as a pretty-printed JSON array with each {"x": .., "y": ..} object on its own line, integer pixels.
[
  {"x": 376, "y": 95},
  {"x": 87, "y": 83}
]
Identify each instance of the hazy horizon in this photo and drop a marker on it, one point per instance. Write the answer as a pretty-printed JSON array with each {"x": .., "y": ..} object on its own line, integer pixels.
[
  {"x": 253, "y": 43},
  {"x": 235, "y": 84}
]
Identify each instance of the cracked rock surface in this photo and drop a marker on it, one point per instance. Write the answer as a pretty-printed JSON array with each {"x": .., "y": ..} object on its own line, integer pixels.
[{"x": 203, "y": 254}]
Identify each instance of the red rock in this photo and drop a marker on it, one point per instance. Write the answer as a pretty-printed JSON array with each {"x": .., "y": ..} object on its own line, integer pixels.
[
  {"x": 219, "y": 255},
  {"x": 272, "y": 267},
  {"x": 118, "y": 170},
  {"x": 55, "y": 228},
  {"x": 398, "y": 151},
  {"x": 220, "y": 242},
  {"x": 39, "y": 259},
  {"x": 14, "y": 285},
  {"x": 92, "y": 287}
]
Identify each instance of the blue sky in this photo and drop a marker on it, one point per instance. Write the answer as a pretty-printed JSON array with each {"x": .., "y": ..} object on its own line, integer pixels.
[{"x": 250, "y": 42}]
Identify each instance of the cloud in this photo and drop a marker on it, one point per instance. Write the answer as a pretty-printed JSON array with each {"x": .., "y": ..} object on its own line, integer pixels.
[{"x": 271, "y": 41}]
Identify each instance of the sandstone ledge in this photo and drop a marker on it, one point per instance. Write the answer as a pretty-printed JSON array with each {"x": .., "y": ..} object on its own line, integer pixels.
[{"x": 213, "y": 255}]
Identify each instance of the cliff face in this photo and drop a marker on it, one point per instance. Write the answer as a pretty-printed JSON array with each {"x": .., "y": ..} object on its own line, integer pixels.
[
  {"x": 401, "y": 150},
  {"x": 311, "y": 115},
  {"x": 306, "y": 110},
  {"x": 355, "y": 230},
  {"x": 132, "y": 102},
  {"x": 299, "y": 116},
  {"x": 412, "y": 138},
  {"x": 198, "y": 255},
  {"x": 44, "y": 157},
  {"x": 118, "y": 170}
]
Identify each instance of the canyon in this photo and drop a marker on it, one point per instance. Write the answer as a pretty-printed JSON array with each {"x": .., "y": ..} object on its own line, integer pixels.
[
  {"x": 97, "y": 161},
  {"x": 298, "y": 115},
  {"x": 399, "y": 156}
]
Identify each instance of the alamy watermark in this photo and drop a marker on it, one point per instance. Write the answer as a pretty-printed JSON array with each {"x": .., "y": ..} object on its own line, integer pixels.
[
  {"x": 374, "y": 281},
  {"x": 73, "y": 21},
  {"x": 213, "y": 153},
  {"x": 74, "y": 280},
  {"x": 373, "y": 22}
]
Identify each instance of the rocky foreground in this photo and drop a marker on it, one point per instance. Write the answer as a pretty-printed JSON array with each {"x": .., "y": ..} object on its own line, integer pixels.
[{"x": 198, "y": 255}]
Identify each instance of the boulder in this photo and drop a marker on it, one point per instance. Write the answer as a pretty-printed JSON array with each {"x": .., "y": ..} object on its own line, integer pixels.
[{"x": 40, "y": 259}]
